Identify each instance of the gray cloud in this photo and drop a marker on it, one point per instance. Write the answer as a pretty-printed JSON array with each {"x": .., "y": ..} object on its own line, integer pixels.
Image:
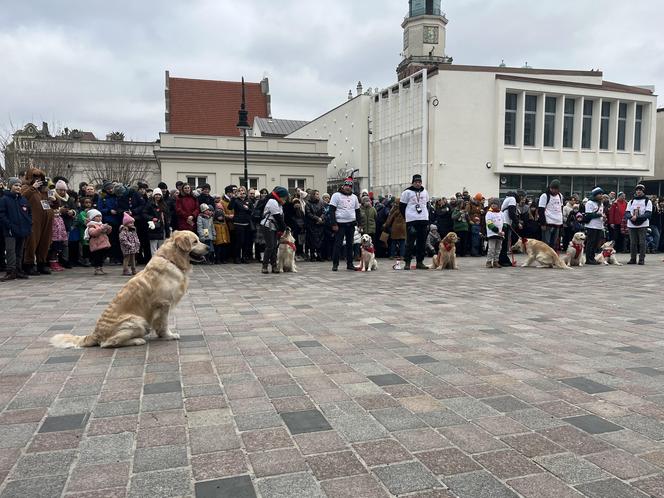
[{"x": 100, "y": 66}]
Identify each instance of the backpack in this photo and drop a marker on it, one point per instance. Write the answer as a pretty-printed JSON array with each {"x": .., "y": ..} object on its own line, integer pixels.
[{"x": 257, "y": 212}]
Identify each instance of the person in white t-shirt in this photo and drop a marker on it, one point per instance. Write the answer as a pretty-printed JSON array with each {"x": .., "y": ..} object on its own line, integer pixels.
[
  {"x": 345, "y": 213},
  {"x": 637, "y": 214},
  {"x": 414, "y": 208},
  {"x": 551, "y": 214},
  {"x": 594, "y": 219},
  {"x": 272, "y": 225}
]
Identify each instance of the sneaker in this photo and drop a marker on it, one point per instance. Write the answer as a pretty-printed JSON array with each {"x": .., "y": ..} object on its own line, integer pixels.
[
  {"x": 55, "y": 266},
  {"x": 265, "y": 270},
  {"x": 489, "y": 264},
  {"x": 126, "y": 273},
  {"x": 335, "y": 268},
  {"x": 134, "y": 272},
  {"x": 496, "y": 264},
  {"x": 99, "y": 271}
]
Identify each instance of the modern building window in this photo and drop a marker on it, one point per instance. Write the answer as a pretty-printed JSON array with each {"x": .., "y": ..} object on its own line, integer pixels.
[
  {"x": 295, "y": 183},
  {"x": 510, "y": 118},
  {"x": 196, "y": 181},
  {"x": 637, "y": 127},
  {"x": 622, "y": 125},
  {"x": 568, "y": 124},
  {"x": 253, "y": 182},
  {"x": 604, "y": 126},
  {"x": 587, "y": 131},
  {"x": 530, "y": 121},
  {"x": 550, "y": 121}
]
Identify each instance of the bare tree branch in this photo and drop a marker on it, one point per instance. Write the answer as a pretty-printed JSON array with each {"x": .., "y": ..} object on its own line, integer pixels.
[{"x": 120, "y": 161}]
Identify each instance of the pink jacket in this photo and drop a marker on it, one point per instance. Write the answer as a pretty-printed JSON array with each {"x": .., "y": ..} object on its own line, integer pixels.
[{"x": 99, "y": 236}]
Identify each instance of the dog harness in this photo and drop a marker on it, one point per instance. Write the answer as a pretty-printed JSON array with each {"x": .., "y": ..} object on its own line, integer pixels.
[
  {"x": 578, "y": 248},
  {"x": 368, "y": 249},
  {"x": 291, "y": 245},
  {"x": 607, "y": 253},
  {"x": 448, "y": 247},
  {"x": 524, "y": 241}
]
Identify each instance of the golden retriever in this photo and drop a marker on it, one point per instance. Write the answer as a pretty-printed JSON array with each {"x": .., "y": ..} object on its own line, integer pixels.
[
  {"x": 446, "y": 257},
  {"x": 575, "y": 254},
  {"x": 286, "y": 253},
  {"x": 367, "y": 254},
  {"x": 536, "y": 250},
  {"x": 608, "y": 255},
  {"x": 146, "y": 300}
]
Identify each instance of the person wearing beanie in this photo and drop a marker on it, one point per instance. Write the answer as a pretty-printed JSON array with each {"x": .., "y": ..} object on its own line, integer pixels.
[
  {"x": 205, "y": 229},
  {"x": 129, "y": 243},
  {"x": 413, "y": 205},
  {"x": 157, "y": 215},
  {"x": 272, "y": 225},
  {"x": 344, "y": 213},
  {"x": 433, "y": 240},
  {"x": 67, "y": 213},
  {"x": 15, "y": 228},
  {"x": 551, "y": 214},
  {"x": 494, "y": 233},
  {"x": 97, "y": 235},
  {"x": 593, "y": 218},
  {"x": 638, "y": 213}
]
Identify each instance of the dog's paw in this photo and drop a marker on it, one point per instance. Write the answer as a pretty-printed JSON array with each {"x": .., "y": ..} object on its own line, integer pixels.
[{"x": 171, "y": 336}]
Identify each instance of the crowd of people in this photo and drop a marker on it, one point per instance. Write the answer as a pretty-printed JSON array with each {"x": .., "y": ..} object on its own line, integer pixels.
[{"x": 48, "y": 226}]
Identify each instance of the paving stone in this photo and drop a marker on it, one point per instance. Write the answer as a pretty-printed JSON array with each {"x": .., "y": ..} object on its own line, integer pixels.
[
  {"x": 39, "y": 487},
  {"x": 275, "y": 462},
  {"x": 305, "y": 421},
  {"x": 171, "y": 482},
  {"x": 231, "y": 487},
  {"x": 16, "y": 435},
  {"x": 447, "y": 461},
  {"x": 592, "y": 424},
  {"x": 571, "y": 468},
  {"x": 643, "y": 425},
  {"x": 62, "y": 359},
  {"x": 621, "y": 464},
  {"x": 543, "y": 486},
  {"x": 633, "y": 349},
  {"x": 532, "y": 445},
  {"x": 397, "y": 419},
  {"x": 382, "y": 452},
  {"x": 333, "y": 465},
  {"x": 469, "y": 408},
  {"x": 610, "y": 488},
  {"x": 354, "y": 487},
  {"x": 290, "y": 486},
  {"x": 43, "y": 464},
  {"x": 471, "y": 439},
  {"x": 507, "y": 464},
  {"x": 421, "y": 359},
  {"x": 386, "y": 379},
  {"x": 653, "y": 486},
  {"x": 403, "y": 478},
  {"x": 308, "y": 344},
  {"x": 505, "y": 404},
  {"x": 213, "y": 438},
  {"x": 106, "y": 476},
  {"x": 162, "y": 387},
  {"x": 587, "y": 385},
  {"x": 649, "y": 371},
  {"x": 269, "y": 439},
  {"x": 319, "y": 442},
  {"x": 116, "y": 408},
  {"x": 421, "y": 439},
  {"x": 251, "y": 421},
  {"x": 478, "y": 485},
  {"x": 53, "y": 441},
  {"x": 575, "y": 440},
  {"x": 161, "y": 402},
  {"x": 218, "y": 465},
  {"x": 64, "y": 422},
  {"x": 160, "y": 457},
  {"x": 107, "y": 449}
]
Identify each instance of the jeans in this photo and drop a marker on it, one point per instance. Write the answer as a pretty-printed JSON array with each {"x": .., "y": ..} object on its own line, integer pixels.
[
  {"x": 397, "y": 246},
  {"x": 655, "y": 237},
  {"x": 416, "y": 233},
  {"x": 475, "y": 240},
  {"x": 551, "y": 236},
  {"x": 14, "y": 249},
  {"x": 346, "y": 231},
  {"x": 271, "y": 246},
  {"x": 637, "y": 242}
]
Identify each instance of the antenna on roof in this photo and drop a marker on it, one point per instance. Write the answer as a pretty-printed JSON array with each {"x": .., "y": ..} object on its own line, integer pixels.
[
  {"x": 526, "y": 66},
  {"x": 502, "y": 63}
]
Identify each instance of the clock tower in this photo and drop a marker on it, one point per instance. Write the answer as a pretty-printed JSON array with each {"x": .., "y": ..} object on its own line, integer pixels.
[{"x": 423, "y": 37}]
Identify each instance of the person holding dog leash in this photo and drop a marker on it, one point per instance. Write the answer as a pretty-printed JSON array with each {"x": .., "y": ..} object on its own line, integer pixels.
[
  {"x": 344, "y": 212},
  {"x": 551, "y": 215},
  {"x": 594, "y": 220},
  {"x": 414, "y": 208},
  {"x": 272, "y": 224}
]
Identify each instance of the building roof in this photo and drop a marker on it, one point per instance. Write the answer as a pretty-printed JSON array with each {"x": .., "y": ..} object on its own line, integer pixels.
[
  {"x": 609, "y": 86},
  {"x": 278, "y": 127},
  {"x": 518, "y": 70},
  {"x": 207, "y": 107}
]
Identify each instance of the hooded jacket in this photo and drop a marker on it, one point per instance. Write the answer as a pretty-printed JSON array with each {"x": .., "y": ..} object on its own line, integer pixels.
[{"x": 15, "y": 215}]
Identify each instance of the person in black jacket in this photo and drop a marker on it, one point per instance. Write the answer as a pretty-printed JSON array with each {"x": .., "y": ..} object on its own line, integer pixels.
[
  {"x": 16, "y": 222},
  {"x": 3, "y": 261},
  {"x": 272, "y": 225},
  {"x": 512, "y": 224},
  {"x": 204, "y": 197},
  {"x": 243, "y": 241}
]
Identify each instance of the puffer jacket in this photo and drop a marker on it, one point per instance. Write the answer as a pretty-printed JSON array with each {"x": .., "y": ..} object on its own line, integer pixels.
[
  {"x": 15, "y": 215},
  {"x": 397, "y": 223}
]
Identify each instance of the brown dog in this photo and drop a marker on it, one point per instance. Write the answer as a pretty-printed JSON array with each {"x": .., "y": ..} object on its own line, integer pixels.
[
  {"x": 536, "y": 250},
  {"x": 146, "y": 300},
  {"x": 446, "y": 257}
]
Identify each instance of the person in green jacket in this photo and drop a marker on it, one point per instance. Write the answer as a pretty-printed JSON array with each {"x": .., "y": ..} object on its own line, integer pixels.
[
  {"x": 461, "y": 227},
  {"x": 368, "y": 216}
]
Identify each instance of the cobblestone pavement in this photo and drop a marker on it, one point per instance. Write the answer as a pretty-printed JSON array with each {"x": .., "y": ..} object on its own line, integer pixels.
[{"x": 477, "y": 383}]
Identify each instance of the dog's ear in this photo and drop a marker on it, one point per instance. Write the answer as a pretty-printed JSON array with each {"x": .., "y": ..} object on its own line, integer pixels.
[{"x": 183, "y": 241}]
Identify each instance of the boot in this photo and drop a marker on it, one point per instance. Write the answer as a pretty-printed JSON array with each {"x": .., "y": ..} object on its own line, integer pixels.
[
  {"x": 265, "y": 271},
  {"x": 406, "y": 265},
  {"x": 22, "y": 276},
  {"x": 30, "y": 270},
  {"x": 421, "y": 266},
  {"x": 642, "y": 261},
  {"x": 496, "y": 264},
  {"x": 489, "y": 264},
  {"x": 630, "y": 262},
  {"x": 9, "y": 276},
  {"x": 43, "y": 269}
]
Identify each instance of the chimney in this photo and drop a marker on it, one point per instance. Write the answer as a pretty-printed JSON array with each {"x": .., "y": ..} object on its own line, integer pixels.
[
  {"x": 359, "y": 88},
  {"x": 265, "y": 90},
  {"x": 167, "y": 116},
  {"x": 350, "y": 94}
]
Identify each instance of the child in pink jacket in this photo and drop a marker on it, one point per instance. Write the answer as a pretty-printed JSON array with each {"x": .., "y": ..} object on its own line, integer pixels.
[{"x": 97, "y": 233}]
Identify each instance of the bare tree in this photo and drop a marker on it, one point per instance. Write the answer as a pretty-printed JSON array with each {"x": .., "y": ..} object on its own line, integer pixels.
[
  {"x": 120, "y": 161},
  {"x": 8, "y": 160}
]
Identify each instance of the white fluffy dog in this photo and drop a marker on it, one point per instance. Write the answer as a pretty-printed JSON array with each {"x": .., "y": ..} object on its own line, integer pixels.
[
  {"x": 286, "y": 253},
  {"x": 367, "y": 254},
  {"x": 608, "y": 255},
  {"x": 575, "y": 254}
]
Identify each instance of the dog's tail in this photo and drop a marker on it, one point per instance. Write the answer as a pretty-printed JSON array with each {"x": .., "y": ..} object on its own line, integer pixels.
[
  {"x": 561, "y": 264},
  {"x": 65, "y": 341}
]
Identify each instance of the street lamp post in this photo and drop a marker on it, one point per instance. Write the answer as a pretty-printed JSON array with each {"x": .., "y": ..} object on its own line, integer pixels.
[{"x": 243, "y": 124}]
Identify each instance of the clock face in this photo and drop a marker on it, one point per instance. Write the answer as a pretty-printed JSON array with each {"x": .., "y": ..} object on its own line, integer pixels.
[{"x": 431, "y": 34}]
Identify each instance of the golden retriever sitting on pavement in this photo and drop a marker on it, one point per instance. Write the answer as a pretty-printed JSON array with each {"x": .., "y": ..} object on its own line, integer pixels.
[
  {"x": 446, "y": 257},
  {"x": 367, "y": 254},
  {"x": 575, "y": 254},
  {"x": 286, "y": 253},
  {"x": 146, "y": 300},
  {"x": 536, "y": 250}
]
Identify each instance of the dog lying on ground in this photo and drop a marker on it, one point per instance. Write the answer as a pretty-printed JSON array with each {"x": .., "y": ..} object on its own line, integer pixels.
[
  {"x": 145, "y": 301},
  {"x": 575, "y": 255},
  {"x": 536, "y": 250},
  {"x": 608, "y": 255},
  {"x": 446, "y": 257},
  {"x": 367, "y": 254},
  {"x": 286, "y": 253}
]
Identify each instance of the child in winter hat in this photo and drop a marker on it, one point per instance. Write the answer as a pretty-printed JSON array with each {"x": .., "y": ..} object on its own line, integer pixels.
[
  {"x": 97, "y": 233},
  {"x": 130, "y": 244}
]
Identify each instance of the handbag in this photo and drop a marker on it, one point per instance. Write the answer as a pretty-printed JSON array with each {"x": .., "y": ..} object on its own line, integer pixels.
[{"x": 384, "y": 237}]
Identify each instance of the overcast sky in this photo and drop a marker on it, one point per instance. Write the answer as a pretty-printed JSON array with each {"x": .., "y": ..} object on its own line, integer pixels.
[{"x": 99, "y": 65}]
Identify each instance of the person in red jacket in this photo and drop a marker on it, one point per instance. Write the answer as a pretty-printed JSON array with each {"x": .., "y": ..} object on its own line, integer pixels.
[
  {"x": 186, "y": 210},
  {"x": 616, "y": 215}
]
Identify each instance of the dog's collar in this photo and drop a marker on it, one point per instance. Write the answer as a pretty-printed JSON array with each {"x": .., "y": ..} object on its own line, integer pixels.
[
  {"x": 578, "y": 248},
  {"x": 607, "y": 253},
  {"x": 289, "y": 244},
  {"x": 448, "y": 247},
  {"x": 524, "y": 241}
]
